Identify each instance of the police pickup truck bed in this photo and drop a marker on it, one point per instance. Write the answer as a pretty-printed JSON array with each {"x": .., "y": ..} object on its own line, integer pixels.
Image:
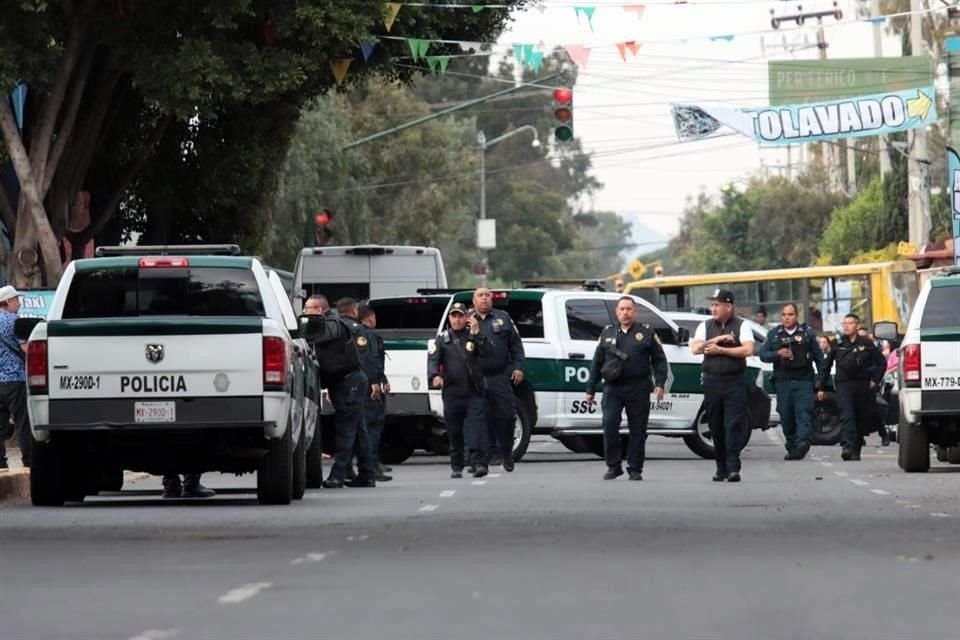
[
  {"x": 560, "y": 329},
  {"x": 177, "y": 363}
]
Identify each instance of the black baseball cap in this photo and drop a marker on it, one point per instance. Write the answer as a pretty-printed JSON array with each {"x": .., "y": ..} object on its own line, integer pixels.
[
  {"x": 458, "y": 307},
  {"x": 722, "y": 295}
]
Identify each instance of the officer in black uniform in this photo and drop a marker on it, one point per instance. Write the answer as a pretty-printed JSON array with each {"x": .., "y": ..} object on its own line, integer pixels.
[
  {"x": 624, "y": 358},
  {"x": 348, "y": 396},
  {"x": 793, "y": 349},
  {"x": 454, "y": 365},
  {"x": 502, "y": 366},
  {"x": 860, "y": 369},
  {"x": 375, "y": 410},
  {"x": 725, "y": 342}
]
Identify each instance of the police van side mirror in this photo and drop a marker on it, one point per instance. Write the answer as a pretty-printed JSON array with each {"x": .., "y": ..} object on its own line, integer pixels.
[
  {"x": 23, "y": 327},
  {"x": 683, "y": 336},
  {"x": 885, "y": 330}
]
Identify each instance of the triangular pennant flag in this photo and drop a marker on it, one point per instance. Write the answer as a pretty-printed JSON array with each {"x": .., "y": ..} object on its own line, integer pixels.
[
  {"x": 477, "y": 8},
  {"x": 392, "y": 9},
  {"x": 579, "y": 54},
  {"x": 536, "y": 59},
  {"x": 424, "y": 47},
  {"x": 366, "y": 48},
  {"x": 586, "y": 11},
  {"x": 635, "y": 8},
  {"x": 339, "y": 68},
  {"x": 414, "y": 45},
  {"x": 518, "y": 52},
  {"x": 527, "y": 52},
  {"x": 435, "y": 61},
  {"x": 633, "y": 46},
  {"x": 622, "y": 48}
]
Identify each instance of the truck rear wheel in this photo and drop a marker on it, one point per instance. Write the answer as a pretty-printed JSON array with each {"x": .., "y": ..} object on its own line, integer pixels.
[
  {"x": 46, "y": 475},
  {"x": 275, "y": 472},
  {"x": 913, "y": 455}
]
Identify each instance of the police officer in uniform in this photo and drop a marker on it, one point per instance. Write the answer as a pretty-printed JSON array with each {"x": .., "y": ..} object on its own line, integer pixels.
[
  {"x": 860, "y": 369},
  {"x": 375, "y": 410},
  {"x": 794, "y": 350},
  {"x": 348, "y": 396},
  {"x": 453, "y": 364},
  {"x": 725, "y": 342},
  {"x": 624, "y": 358},
  {"x": 503, "y": 366}
]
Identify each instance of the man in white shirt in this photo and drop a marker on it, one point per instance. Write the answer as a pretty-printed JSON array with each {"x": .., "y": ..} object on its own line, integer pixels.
[{"x": 725, "y": 342}]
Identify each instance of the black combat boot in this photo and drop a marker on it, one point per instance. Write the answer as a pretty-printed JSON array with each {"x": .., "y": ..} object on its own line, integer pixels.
[{"x": 193, "y": 489}]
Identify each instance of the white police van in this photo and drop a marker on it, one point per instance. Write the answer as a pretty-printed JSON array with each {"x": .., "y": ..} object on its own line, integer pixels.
[{"x": 560, "y": 329}]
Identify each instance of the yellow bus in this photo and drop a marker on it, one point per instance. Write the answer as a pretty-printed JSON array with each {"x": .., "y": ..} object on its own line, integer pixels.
[{"x": 823, "y": 295}]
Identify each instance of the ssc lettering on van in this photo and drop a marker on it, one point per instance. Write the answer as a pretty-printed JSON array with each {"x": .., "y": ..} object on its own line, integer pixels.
[
  {"x": 152, "y": 384},
  {"x": 582, "y": 406}
]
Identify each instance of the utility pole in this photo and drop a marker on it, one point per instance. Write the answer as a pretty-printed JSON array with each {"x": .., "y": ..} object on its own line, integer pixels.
[
  {"x": 918, "y": 163},
  {"x": 878, "y": 53}
]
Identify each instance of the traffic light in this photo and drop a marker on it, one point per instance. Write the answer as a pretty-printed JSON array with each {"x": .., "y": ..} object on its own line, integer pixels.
[
  {"x": 563, "y": 114},
  {"x": 322, "y": 232}
]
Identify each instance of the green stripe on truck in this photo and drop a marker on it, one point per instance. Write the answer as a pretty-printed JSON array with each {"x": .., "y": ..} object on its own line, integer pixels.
[
  {"x": 940, "y": 335},
  {"x": 167, "y": 326}
]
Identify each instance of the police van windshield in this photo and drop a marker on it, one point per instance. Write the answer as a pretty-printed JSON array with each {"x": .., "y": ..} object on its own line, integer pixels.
[
  {"x": 414, "y": 317},
  {"x": 196, "y": 291}
]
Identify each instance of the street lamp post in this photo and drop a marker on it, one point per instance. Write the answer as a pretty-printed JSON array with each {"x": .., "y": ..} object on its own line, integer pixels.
[{"x": 485, "y": 144}]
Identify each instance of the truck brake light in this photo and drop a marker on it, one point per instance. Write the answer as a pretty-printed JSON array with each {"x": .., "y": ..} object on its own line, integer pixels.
[
  {"x": 911, "y": 365},
  {"x": 274, "y": 361},
  {"x": 500, "y": 295},
  {"x": 37, "y": 364},
  {"x": 163, "y": 262}
]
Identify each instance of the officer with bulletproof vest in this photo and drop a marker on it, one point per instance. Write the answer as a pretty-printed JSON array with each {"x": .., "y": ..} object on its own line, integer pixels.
[
  {"x": 337, "y": 349},
  {"x": 860, "y": 369},
  {"x": 624, "y": 358},
  {"x": 794, "y": 350},
  {"x": 453, "y": 364},
  {"x": 501, "y": 367},
  {"x": 725, "y": 342}
]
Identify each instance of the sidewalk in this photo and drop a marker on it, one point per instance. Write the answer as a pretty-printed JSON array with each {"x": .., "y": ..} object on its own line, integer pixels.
[{"x": 15, "y": 481}]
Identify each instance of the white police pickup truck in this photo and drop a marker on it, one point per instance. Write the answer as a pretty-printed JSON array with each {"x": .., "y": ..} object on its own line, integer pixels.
[
  {"x": 929, "y": 368},
  {"x": 169, "y": 360},
  {"x": 560, "y": 329}
]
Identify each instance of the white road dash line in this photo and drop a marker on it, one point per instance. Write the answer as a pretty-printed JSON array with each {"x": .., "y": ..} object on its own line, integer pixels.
[
  {"x": 448, "y": 493},
  {"x": 156, "y": 634},
  {"x": 841, "y": 474},
  {"x": 478, "y": 483},
  {"x": 310, "y": 557},
  {"x": 940, "y": 514},
  {"x": 859, "y": 483},
  {"x": 427, "y": 508},
  {"x": 827, "y": 464},
  {"x": 493, "y": 475},
  {"x": 880, "y": 492},
  {"x": 244, "y": 593}
]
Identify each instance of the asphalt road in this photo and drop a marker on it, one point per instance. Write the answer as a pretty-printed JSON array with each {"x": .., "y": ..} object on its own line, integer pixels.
[{"x": 811, "y": 549}]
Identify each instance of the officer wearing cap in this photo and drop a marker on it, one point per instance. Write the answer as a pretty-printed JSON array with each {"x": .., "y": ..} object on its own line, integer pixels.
[
  {"x": 501, "y": 367},
  {"x": 453, "y": 364},
  {"x": 725, "y": 342},
  {"x": 624, "y": 358},
  {"x": 793, "y": 349}
]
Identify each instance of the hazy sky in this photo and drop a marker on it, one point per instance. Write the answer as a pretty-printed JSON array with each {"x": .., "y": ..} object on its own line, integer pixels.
[{"x": 622, "y": 109}]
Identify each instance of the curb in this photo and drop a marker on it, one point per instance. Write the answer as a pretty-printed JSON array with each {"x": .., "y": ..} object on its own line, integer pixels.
[{"x": 14, "y": 485}]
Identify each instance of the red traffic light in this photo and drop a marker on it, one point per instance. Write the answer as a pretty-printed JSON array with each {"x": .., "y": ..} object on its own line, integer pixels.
[
  {"x": 322, "y": 219},
  {"x": 563, "y": 95},
  {"x": 563, "y": 114}
]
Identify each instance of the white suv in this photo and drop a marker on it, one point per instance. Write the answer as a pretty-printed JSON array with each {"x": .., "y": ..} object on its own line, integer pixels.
[{"x": 930, "y": 373}]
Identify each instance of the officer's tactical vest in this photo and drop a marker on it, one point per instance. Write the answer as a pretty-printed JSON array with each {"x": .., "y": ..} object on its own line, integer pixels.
[
  {"x": 723, "y": 366},
  {"x": 336, "y": 352}
]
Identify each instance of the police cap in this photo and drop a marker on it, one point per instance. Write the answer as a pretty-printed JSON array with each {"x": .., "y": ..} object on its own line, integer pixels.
[
  {"x": 458, "y": 307},
  {"x": 722, "y": 295}
]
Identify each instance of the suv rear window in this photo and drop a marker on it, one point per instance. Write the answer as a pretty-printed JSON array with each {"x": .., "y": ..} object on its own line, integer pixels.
[
  {"x": 942, "y": 309},
  {"x": 197, "y": 291},
  {"x": 402, "y": 319}
]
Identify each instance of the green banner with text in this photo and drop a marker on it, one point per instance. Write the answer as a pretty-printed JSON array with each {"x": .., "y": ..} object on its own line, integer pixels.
[{"x": 802, "y": 81}]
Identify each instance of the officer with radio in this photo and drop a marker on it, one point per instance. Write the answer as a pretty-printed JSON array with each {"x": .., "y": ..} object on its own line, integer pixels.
[
  {"x": 501, "y": 367},
  {"x": 860, "y": 369},
  {"x": 624, "y": 358},
  {"x": 794, "y": 350},
  {"x": 453, "y": 364}
]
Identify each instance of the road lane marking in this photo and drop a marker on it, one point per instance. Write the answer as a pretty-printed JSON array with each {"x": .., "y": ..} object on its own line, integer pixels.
[
  {"x": 427, "y": 508},
  {"x": 156, "y": 634},
  {"x": 310, "y": 557},
  {"x": 478, "y": 483},
  {"x": 494, "y": 475},
  {"x": 940, "y": 514},
  {"x": 244, "y": 593},
  {"x": 859, "y": 483},
  {"x": 880, "y": 492},
  {"x": 827, "y": 464},
  {"x": 447, "y": 494},
  {"x": 841, "y": 474}
]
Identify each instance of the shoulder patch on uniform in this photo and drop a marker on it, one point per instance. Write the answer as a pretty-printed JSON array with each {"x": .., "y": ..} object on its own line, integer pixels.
[
  {"x": 361, "y": 341},
  {"x": 432, "y": 349},
  {"x": 645, "y": 325}
]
